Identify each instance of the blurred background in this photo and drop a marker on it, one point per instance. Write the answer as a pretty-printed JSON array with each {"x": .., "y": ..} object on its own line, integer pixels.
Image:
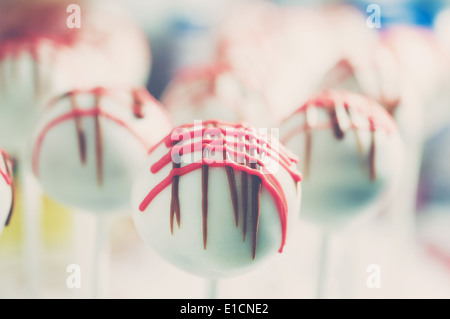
[{"x": 182, "y": 33}]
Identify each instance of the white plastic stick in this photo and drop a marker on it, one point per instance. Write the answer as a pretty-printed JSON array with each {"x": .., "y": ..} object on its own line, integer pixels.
[
  {"x": 92, "y": 254},
  {"x": 213, "y": 287},
  {"x": 32, "y": 236},
  {"x": 100, "y": 258}
]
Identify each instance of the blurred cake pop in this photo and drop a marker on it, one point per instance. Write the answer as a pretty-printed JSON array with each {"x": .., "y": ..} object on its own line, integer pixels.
[
  {"x": 6, "y": 190},
  {"x": 274, "y": 49},
  {"x": 351, "y": 155},
  {"x": 214, "y": 91},
  {"x": 423, "y": 82},
  {"x": 424, "y": 70},
  {"x": 89, "y": 144},
  {"x": 215, "y": 197},
  {"x": 363, "y": 65},
  {"x": 41, "y": 56}
]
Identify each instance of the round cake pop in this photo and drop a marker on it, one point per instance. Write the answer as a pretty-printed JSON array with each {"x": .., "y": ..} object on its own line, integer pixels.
[
  {"x": 214, "y": 91},
  {"x": 352, "y": 155},
  {"x": 41, "y": 56},
  {"x": 89, "y": 144},
  {"x": 6, "y": 190},
  {"x": 363, "y": 64},
  {"x": 274, "y": 50},
  {"x": 215, "y": 197}
]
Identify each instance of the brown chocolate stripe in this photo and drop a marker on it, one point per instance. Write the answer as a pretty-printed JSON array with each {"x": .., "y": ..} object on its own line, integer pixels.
[
  {"x": 256, "y": 197},
  {"x": 175, "y": 200}
]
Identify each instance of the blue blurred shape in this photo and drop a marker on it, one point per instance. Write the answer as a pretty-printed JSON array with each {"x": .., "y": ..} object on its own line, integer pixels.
[{"x": 412, "y": 12}]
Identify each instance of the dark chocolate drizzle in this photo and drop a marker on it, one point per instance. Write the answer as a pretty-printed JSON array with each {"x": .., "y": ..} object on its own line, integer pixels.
[
  {"x": 96, "y": 112},
  {"x": 138, "y": 103},
  {"x": 233, "y": 192},
  {"x": 337, "y": 130},
  {"x": 98, "y": 144},
  {"x": 205, "y": 177}
]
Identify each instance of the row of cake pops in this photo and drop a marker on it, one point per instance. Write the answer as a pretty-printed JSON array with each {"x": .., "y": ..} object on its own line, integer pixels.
[
  {"x": 271, "y": 59},
  {"x": 271, "y": 71}
]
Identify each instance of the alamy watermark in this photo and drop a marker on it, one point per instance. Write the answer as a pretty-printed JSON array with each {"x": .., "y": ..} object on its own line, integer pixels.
[
  {"x": 373, "y": 21},
  {"x": 74, "y": 278},
  {"x": 374, "y": 277}
]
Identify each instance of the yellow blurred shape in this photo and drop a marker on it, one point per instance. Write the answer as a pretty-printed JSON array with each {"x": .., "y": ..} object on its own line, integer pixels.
[{"x": 56, "y": 224}]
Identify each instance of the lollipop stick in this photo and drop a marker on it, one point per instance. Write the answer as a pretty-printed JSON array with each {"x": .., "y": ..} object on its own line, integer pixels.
[
  {"x": 322, "y": 265},
  {"x": 100, "y": 261},
  {"x": 92, "y": 253},
  {"x": 32, "y": 246},
  {"x": 212, "y": 289}
]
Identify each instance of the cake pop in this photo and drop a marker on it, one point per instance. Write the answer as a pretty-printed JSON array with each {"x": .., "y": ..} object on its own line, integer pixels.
[
  {"x": 352, "y": 155},
  {"x": 40, "y": 56},
  {"x": 6, "y": 189},
  {"x": 214, "y": 198},
  {"x": 214, "y": 91},
  {"x": 274, "y": 50},
  {"x": 89, "y": 144},
  {"x": 424, "y": 69}
]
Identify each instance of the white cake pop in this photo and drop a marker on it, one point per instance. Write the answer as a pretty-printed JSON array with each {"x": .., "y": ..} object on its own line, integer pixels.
[
  {"x": 6, "y": 190},
  {"x": 89, "y": 144},
  {"x": 274, "y": 49},
  {"x": 424, "y": 69},
  {"x": 214, "y": 198},
  {"x": 351, "y": 156},
  {"x": 41, "y": 56},
  {"x": 214, "y": 91}
]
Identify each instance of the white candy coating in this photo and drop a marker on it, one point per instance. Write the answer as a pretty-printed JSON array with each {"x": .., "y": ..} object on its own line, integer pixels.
[
  {"x": 346, "y": 177},
  {"x": 104, "y": 127},
  {"x": 226, "y": 253}
]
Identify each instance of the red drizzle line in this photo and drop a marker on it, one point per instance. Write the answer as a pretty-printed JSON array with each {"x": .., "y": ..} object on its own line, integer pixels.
[
  {"x": 81, "y": 138},
  {"x": 372, "y": 151},
  {"x": 141, "y": 96},
  {"x": 256, "y": 196},
  {"x": 256, "y": 170},
  {"x": 233, "y": 189}
]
